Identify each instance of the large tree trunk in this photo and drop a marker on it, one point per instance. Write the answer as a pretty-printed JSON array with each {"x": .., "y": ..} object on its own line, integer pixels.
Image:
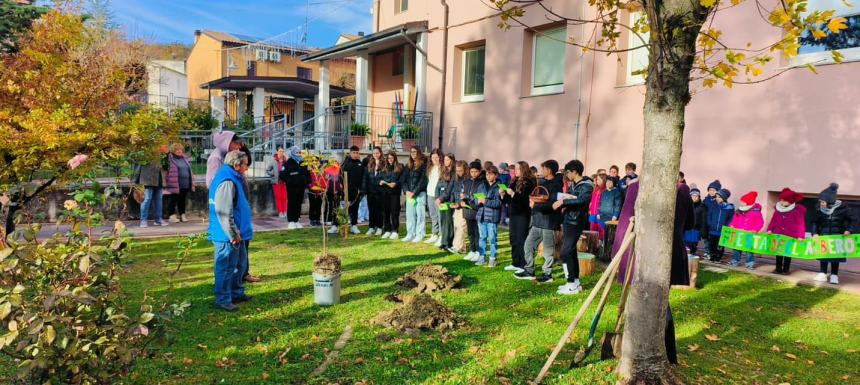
[{"x": 643, "y": 352}]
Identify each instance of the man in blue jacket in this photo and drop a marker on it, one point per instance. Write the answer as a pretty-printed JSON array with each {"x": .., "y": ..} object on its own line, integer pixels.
[{"x": 229, "y": 227}]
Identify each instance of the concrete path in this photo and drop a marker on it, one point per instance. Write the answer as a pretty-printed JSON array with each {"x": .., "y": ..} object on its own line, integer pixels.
[{"x": 802, "y": 272}]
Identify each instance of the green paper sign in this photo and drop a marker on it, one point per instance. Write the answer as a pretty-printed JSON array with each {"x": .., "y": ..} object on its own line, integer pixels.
[
  {"x": 480, "y": 196},
  {"x": 443, "y": 207},
  {"x": 503, "y": 186},
  {"x": 412, "y": 201},
  {"x": 464, "y": 204},
  {"x": 825, "y": 246}
]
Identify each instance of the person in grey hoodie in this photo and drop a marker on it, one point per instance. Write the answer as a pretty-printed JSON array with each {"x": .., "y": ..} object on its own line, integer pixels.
[{"x": 225, "y": 141}]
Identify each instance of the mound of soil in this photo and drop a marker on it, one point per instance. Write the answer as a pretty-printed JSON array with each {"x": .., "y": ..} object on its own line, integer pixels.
[
  {"x": 429, "y": 278},
  {"x": 419, "y": 312},
  {"x": 327, "y": 265}
]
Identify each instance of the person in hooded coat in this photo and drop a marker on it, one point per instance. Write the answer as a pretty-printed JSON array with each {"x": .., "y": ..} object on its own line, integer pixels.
[
  {"x": 747, "y": 217},
  {"x": 789, "y": 219},
  {"x": 831, "y": 218},
  {"x": 224, "y": 141},
  {"x": 297, "y": 179}
]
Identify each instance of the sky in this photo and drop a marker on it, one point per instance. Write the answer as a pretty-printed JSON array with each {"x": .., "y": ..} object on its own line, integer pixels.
[{"x": 168, "y": 21}]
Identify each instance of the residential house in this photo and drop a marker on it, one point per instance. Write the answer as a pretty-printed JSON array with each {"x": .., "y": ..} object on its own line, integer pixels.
[
  {"x": 167, "y": 84},
  {"x": 523, "y": 94}
]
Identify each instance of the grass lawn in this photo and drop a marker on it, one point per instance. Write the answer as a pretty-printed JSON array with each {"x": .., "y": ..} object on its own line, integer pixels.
[{"x": 768, "y": 332}]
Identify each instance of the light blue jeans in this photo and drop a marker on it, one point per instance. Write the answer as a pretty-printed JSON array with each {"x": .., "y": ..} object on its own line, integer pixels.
[
  {"x": 228, "y": 272},
  {"x": 151, "y": 197},
  {"x": 363, "y": 213},
  {"x": 488, "y": 232},
  {"x": 435, "y": 224},
  {"x": 415, "y": 217},
  {"x": 736, "y": 258}
]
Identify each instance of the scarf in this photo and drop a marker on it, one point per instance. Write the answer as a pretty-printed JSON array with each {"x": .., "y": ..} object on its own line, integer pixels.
[
  {"x": 294, "y": 154},
  {"x": 784, "y": 209},
  {"x": 829, "y": 210}
]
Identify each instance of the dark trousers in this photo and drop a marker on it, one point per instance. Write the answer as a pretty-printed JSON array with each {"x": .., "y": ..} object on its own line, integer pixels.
[
  {"x": 519, "y": 230},
  {"x": 176, "y": 202},
  {"x": 692, "y": 247},
  {"x": 569, "y": 256},
  {"x": 331, "y": 205},
  {"x": 834, "y": 267},
  {"x": 714, "y": 249},
  {"x": 446, "y": 232},
  {"x": 315, "y": 207},
  {"x": 783, "y": 264},
  {"x": 474, "y": 234},
  {"x": 374, "y": 208},
  {"x": 355, "y": 203},
  {"x": 671, "y": 349},
  {"x": 295, "y": 198},
  {"x": 247, "y": 259},
  {"x": 391, "y": 212}
]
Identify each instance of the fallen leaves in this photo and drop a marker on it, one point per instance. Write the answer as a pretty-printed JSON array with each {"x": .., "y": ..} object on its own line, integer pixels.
[
  {"x": 790, "y": 356},
  {"x": 359, "y": 360},
  {"x": 225, "y": 362},
  {"x": 282, "y": 357},
  {"x": 187, "y": 361},
  {"x": 712, "y": 337},
  {"x": 201, "y": 347},
  {"x": 774, "y": 348},
  {"x": 693, "y": 347}
]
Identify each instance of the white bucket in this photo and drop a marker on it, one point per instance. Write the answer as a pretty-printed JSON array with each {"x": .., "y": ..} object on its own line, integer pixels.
[{"x": 326, "y": 289}]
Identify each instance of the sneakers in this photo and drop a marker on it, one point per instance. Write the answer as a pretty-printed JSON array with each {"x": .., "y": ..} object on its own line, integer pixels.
[
  {"x": 492, "y": 263},
  {"x": 144, "y": 224},
  {"x": 385, "y": 235},
  {"x": 332, "y": 229},
  {"x": 475, "y": 257},
  {"x": 834, "y": 280},
  {"x": 184, "y": 218},
  {"x": 393, "y": 236},
  {"x": 244, "y": 298},
  {"x": 511, "y": 268},
  {"x": 524, "y": 275},
  {"x": 228, "y": 307},
  {"x": 571, "y": 288},
  {"x": 355, "y": 230},
  {"x": 451, "y": 250},
  {"x": 370, "y": 231},
  {"x": 173, "y": 219},
  {"x": 480, "y": 262},
  {"x": 432, "y": 239},
  {"x": 468, "y": 256},
  {"x": 299, "y": 225},
  {"x": 407, "y": 238},
  {"x": 750, "y": 266},
  {"x": 544, "y": 278},
  {"x": 734, "y": 263},
  {"x": 438, "y": 242},
  {"x": 821, "y": 277},
  {"x": 417, "y": 239},
  {"x": 379, "y": 231},
  {"x": 163, "y": 224}
]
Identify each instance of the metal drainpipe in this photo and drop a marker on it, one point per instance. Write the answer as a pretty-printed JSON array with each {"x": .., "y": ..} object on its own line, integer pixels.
[
  {"x": 444, "y": 73},
  {"x": 579, "y": 92}
]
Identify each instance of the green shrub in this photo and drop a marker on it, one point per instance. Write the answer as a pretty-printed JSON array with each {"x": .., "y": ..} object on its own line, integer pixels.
[
  {"x": 409, "y": 131},
  {"x": 358, "y": 129}
]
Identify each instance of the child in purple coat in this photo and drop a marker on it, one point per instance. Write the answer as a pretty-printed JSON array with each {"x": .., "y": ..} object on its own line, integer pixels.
[{"x": 789, "y": 220}]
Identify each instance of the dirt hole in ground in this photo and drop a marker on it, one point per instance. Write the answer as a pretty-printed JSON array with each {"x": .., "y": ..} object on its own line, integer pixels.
[
  {"x": 419, "y": 312},
  {"x": 429, "y": 278}
]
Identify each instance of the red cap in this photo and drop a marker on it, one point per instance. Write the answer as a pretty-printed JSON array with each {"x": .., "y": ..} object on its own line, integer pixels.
[
  {"x": 790, "y": 196},
  {"x": 749, "y": 198}
]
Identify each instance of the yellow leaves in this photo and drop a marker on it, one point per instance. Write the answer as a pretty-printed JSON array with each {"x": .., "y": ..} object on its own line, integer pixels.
[
  {"x": 736, "y": 2},
  {"x": 708, "y": 3},
  {"x": 779, "y": 17},
  {"x": 712, "y": 337},
  {"x": 837, "y": 24},
  {"x": 790, "y": 356},
  {"x": 753, "y": 70},
  {"x": 818, "y": 34},
  {"x": 693, "y": 347},
  {"x": 811, "y": 68},
  {"x": 709, "y": 83},
  {"x": 774, "y": 348}
]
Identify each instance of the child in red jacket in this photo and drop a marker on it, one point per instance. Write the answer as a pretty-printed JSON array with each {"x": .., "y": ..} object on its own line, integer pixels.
[
  {"x": 748, "y": 218},
  {"x": 788, "y": 219}
]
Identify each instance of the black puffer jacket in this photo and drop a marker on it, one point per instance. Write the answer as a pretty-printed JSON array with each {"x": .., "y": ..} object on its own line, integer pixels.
[
  {"x": 295, "y": 175},
  {"x": 353, "y": 171},
  {"x": 700, "y": 215},
  {"x": 837, "y": 222},
  {"x": 372, "y": 176},
  {"x": 470, "y": 187},
  {"x": 543, "y": 215},
  {"x": 576, "y": 209},
  {"x": 415, "y": 181},
  {"x": 392, "y": 176}
]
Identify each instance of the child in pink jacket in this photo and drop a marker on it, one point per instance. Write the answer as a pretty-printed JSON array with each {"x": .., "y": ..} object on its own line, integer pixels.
[
  {"x": 747, "y": 217},
  {"x": 788, "y": 219}
]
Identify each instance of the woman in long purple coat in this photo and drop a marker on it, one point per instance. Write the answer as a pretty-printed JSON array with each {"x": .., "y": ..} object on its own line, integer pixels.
[{"x": 628, "y": 210}]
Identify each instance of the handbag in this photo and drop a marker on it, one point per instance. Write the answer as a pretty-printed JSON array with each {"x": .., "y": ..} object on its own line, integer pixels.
[{"x": 539, "y": 195}]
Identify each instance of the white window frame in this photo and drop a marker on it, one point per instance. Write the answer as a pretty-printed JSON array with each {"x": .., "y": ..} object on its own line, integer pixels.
[
  {"x": 463, "y": 96},
  {"x": 826, "y": 57},
  {"x": 398, "y": 6},
  {"x": 634, "y": 41},
  {"x": 550, "y": 89}
]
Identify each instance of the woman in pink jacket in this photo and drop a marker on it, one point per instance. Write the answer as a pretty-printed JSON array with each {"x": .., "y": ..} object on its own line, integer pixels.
[
  {"x": 789, "y": 220},
  {"x": 747, "y": 217}
]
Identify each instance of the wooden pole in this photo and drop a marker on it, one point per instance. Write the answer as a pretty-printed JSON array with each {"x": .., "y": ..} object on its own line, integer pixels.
[
  {"x": 346, "y": 201},
  {"x": 625, "y": 244}
]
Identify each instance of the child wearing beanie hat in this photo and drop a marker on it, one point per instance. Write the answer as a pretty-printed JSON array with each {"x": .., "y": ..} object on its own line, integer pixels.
[
  {"x": 789, "y": 220},
  {"x": 694, "y": 235},
  {"x": 720, "y": 213},
  {"x": 747, "y": 217},
  {"x": 831, "y": 218}
]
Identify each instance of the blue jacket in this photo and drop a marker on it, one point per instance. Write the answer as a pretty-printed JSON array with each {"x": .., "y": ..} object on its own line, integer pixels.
[
  {"x": 241, "y": 210},
  {"x": 718, "y": 215},
  {"x": 491, "y": 210},
  {"x": 610, "y": 204}
]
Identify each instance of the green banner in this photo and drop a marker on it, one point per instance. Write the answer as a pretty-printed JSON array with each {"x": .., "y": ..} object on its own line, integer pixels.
[
  {"x": 820, "y": 247},
  {"x": 443, "y": 207},
  {"x": 480, "y": 196}
]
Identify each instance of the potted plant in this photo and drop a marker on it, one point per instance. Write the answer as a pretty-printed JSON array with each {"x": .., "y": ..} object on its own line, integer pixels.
[
  {"x": 358, "y": 132},
  {"x": 327, "y": 267},
  {"x": 408, "y": 135}
]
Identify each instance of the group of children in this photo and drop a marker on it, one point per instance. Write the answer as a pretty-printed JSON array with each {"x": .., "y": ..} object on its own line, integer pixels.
[{"x": 714, "y": 211}]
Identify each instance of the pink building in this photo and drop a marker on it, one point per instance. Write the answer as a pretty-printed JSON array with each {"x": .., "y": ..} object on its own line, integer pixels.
[{"x": 521, "y": 94}]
